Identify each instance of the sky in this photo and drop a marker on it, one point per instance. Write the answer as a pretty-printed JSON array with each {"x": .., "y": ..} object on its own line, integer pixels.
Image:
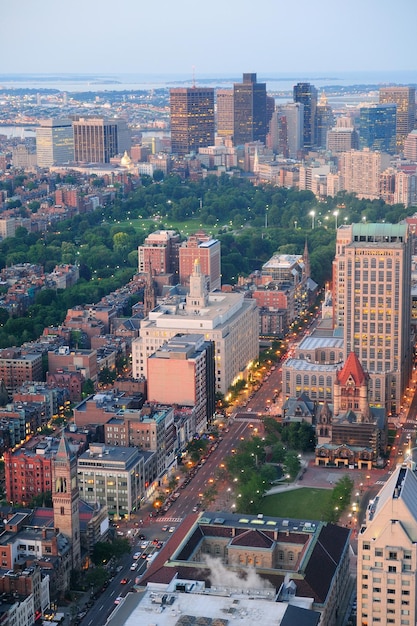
[{"x": 215, "y": 37}]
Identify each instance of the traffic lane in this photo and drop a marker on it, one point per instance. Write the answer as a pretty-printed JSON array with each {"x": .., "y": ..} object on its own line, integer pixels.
[
  {"x": 205, "y": 476},
  {"x": 104, "y": 605}
]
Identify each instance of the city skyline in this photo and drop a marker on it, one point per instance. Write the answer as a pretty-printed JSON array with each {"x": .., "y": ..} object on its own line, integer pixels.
[{"x": 225, "y": 37}]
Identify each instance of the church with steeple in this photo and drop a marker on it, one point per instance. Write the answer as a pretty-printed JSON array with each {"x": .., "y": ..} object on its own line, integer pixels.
[{"x": 66, "y": 499}]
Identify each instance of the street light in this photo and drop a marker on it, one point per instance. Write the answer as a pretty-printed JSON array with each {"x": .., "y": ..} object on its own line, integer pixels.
[
  {"x": 335, "y": 213},
  {"x": 312, "y": 215}
]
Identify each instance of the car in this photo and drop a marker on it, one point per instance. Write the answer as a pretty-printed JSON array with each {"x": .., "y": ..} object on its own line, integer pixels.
[
  {"x": 141, "y": 537},
  {"x": 164, "y": 528},
  {"x": 171, "y": 529},
  {"x": 144, "y": 544},
  {"x": 136, "y": 555},
  {"x": 118, "y": 600},
  {"x": 134, "y": 566},
  {"x": 124, "y": 581},
  {"x": 195, "y": 509},
  {"x": 159, "y": 545}
]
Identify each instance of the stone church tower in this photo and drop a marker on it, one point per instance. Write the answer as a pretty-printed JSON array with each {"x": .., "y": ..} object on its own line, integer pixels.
[{"x": 65, "y": 498}]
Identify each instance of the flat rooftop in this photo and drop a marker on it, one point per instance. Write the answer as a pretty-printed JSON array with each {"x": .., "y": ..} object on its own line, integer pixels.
[
  {"x": 306, "y": 366},
  {"x": 208, "y": 607}
]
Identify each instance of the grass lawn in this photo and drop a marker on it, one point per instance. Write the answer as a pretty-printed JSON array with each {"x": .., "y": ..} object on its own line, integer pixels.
[{"x": 298, "y": 503}]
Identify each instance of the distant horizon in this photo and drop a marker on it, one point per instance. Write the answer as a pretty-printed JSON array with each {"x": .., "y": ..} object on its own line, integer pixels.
[{"x": 135, "y": 81}]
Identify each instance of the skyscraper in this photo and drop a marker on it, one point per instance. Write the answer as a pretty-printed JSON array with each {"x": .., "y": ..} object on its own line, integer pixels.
[
  {"x": 324, "y": 121},
  {"x": 96, "y": 139},
  {"x": 225, "y": 116},
  {"x": 250, "y": 111},
  {"x": 377, "y": 127},
  {"x": 294, "y": 118},
  {"x": 54, "y": 142},
  {"x": 206, "y": 250},
  {"x": 372, "y": 278},
  {"x": 405, "y": 99},
  {"x": 192, "y": 119},
  {"x": 387, "y": 553},
  {"x": 307, "y": 95}
]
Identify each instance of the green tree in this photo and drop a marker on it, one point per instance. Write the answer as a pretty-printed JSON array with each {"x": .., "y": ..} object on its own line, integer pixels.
[
  {"x": 106, "y": 376},
  {"x": 42, "y": 500},
  {"x": 87, "y": 388}
]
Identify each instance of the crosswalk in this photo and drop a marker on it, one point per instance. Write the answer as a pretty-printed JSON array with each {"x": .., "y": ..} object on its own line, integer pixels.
[
  {"x": 169, "y": 520},
  {"x": 379, "y": 482}
]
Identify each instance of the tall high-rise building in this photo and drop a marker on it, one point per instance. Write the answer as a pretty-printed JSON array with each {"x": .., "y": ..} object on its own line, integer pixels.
[
  {"x": 361, "y": 172},
  {"x": 387, "y": 553},
  {"x": 206, "y": 250},
  {"x": 405, "y": 188},
  {"x": 294, "y": 117},
  {"x": 65, "y": 498},
  {"x": 181, "y": 372},
  {"x": 378, "y": 127},
  {"x": 228, "y": 319},
  {"x": 307, "y": 95},
  {"x": 342, "y": 139},
  {"x": 224, "y": 110},
  {"x": 250, "y": 111},
  {"x": 372, "y": 278},
  {"x": 54, "y": 142},
  {"x": 159, "y": 253},
  {"x": 324, "y": 121},
  {"x": 405, "y": 99},
  {"x": 97, "y": 140},
  {"x": 410, "y": 146},
  {"x": 192, "y": 119},
  {"x": 277, "y": 139}
]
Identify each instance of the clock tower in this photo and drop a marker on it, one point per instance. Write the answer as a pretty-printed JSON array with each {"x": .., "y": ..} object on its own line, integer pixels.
[{"x": 65, "y": 498}]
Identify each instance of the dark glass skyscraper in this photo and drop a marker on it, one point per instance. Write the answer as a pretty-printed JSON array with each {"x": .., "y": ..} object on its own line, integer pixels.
[
  {"x": 192, "y": 119},
  {"x": 324, "y": 122},
  {"x": 307, "y": 95},
  {"x": 250, "y": 111},
  {"x": 405, "y": 99},
  {"x": 378, "y": 127}
]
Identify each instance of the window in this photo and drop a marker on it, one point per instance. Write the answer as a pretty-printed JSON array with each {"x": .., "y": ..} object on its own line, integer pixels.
[{"x": 392, "y": 555}]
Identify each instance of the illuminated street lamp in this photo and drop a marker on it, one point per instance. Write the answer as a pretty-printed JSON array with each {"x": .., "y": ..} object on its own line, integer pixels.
[
  {"x": 335, "y": 213},
  {"x": 312, "y": 215}
]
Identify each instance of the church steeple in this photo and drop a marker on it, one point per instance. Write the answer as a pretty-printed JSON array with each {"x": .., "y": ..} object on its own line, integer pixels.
[
  {"x": 65, "y": 498},
  {"x": 197, "y": 297}
]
